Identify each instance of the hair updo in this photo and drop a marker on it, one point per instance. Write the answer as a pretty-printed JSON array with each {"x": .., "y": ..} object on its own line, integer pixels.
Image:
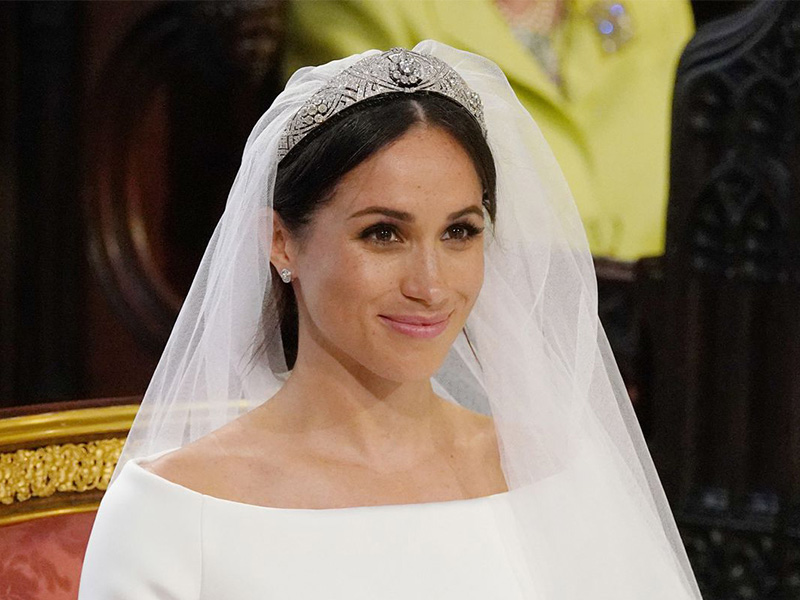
[{"x": 307, "y": 176}]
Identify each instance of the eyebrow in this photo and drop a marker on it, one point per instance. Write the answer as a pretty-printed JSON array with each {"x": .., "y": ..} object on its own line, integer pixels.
[{"x": 408, "y": 217}]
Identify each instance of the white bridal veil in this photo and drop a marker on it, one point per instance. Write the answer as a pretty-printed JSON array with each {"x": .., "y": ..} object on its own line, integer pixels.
[{"x": 588, "y": 510}]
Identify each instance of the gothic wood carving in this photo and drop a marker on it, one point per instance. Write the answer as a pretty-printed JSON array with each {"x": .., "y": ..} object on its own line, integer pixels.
[{"x": 721, "y": 309}]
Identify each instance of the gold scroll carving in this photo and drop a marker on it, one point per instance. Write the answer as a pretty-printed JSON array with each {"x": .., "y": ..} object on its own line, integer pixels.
[{"x": 41, "y": 472}]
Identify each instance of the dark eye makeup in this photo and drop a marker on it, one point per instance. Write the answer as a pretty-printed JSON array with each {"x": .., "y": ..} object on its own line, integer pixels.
[
  {"x": 381, "y": 233},
  {"x": 463, "y": 231},
  {"x": 387, "y": 233}
]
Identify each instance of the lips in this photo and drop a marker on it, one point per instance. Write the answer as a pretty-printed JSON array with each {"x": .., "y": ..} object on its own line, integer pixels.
[{"x": 417, "y": 326}]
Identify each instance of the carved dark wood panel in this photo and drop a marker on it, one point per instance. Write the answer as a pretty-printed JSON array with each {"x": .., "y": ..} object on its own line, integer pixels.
[
  {"x": 736, "y": 127},
  {"x": 170, "y": 112},
  {"x": 744, "y": 558},
  {"x": 721, "y": 310},
  {"x": 122, "y": 128},
  {"x": 706, "y": 11}
]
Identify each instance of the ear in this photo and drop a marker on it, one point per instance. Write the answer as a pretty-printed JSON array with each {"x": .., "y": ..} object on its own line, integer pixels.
[{"x": 282, "y": 253}]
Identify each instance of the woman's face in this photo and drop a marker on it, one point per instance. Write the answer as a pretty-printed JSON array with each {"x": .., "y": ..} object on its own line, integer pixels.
[{"x": 388, "y": 270}]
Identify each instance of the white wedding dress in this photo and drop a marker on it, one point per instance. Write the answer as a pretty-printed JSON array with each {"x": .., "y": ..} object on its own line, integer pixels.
[{"x": 154, "y": 539}]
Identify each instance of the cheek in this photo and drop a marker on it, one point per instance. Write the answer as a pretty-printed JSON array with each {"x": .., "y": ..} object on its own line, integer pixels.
[
  {"x": 343, "y": 281},
  {"x": 469, "y": 275},
  {"x": 477, "y": 275}
]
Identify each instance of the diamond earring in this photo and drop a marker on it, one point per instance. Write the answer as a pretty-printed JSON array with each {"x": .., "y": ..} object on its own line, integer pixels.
[{"x": 286, "y": 276}]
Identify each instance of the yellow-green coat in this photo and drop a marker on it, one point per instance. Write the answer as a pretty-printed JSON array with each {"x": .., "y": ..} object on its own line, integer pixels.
[{"x": 608, "y": 123}]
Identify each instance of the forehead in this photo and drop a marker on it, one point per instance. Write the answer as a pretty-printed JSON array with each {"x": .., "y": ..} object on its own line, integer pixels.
[{"x": 425, "y": 170}]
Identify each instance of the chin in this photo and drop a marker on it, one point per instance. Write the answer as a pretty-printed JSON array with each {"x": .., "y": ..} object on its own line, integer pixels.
[
  {"x": 398, "y": 372},
  {"x": 391, "y": 356},
  {"x": 406, "y": 362}
]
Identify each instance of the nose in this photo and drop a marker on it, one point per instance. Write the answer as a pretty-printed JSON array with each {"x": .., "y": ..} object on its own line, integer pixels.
[{"x": 423, "y": 280}]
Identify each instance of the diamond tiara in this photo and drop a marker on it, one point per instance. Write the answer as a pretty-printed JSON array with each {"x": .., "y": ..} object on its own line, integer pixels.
[{"x": 395, "y": 71}]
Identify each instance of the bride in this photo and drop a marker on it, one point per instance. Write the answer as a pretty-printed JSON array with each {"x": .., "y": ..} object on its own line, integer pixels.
[{"x": 388, "y": 379}]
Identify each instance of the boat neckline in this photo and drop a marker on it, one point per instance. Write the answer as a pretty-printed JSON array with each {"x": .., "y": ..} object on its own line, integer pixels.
[{"x": 135, "y": 463}]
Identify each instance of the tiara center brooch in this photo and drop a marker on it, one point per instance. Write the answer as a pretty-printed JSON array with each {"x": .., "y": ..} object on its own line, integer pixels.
[
  {"x": 396, "y": 71},
  {"x": 407, "y": 71}
]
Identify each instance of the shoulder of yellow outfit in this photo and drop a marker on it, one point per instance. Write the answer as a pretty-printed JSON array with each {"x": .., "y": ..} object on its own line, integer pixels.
[{"x": 360, "y": 25}]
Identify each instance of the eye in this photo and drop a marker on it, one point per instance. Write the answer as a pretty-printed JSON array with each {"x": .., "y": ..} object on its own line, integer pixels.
[
  {"x": 462, "y": 232},
  {"x": 381, "y": 233}
]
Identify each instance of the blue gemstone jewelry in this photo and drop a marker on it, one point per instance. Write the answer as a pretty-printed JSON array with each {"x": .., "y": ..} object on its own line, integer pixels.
[{"x": 613, "y": 24}]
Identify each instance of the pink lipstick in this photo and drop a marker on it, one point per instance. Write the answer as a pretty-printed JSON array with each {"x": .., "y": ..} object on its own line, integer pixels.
[{"x": 416, "y": 326}]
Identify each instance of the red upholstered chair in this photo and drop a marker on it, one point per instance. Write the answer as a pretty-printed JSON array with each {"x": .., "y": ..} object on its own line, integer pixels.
[{"x": 55, "y": 462}]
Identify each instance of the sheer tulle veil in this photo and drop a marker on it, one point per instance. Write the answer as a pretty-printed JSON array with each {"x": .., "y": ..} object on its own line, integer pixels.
[{"x": 587, "y": 509}]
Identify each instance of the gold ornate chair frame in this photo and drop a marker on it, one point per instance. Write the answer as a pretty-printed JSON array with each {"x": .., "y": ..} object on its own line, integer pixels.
[{"x": 58, "y": 458}]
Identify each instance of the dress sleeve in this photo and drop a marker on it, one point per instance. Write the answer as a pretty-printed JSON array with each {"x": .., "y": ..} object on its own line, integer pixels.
[{"x": 146, "y": 541}]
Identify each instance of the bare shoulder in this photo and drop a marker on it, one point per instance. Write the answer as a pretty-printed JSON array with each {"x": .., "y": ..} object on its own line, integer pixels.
[
  {"x": 476, "y": 430},
  {"x": 476, "y": 442},
  {"x": 236, "y": 462},
  {"x": 485, "y": 435},
  {"x": 193, "y": 466}
]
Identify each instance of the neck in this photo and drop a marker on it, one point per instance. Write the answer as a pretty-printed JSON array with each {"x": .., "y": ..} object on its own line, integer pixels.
[{"x": 371, "y": 418}]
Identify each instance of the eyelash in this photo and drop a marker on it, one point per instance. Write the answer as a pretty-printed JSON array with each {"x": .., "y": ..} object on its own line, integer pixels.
[{"x": 470, "y": 231}]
